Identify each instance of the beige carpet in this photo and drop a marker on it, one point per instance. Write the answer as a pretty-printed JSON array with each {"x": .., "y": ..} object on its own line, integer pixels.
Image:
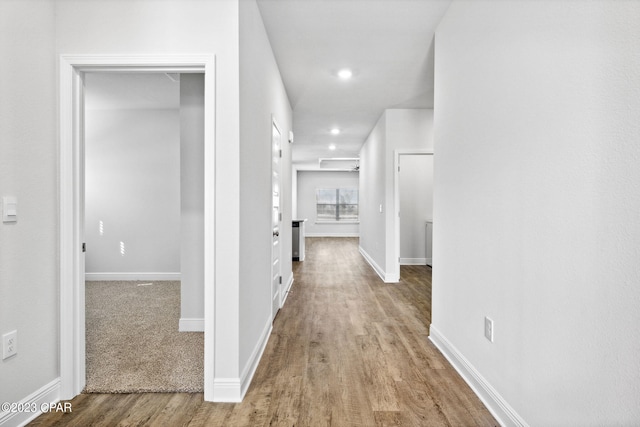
[{"x": 133, "y": 343}]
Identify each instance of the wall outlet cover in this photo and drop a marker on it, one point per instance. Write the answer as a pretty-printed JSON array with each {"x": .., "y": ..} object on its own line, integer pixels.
[
  {"x": 9, "y": 344},
  {"x": 488, "y": 329}
]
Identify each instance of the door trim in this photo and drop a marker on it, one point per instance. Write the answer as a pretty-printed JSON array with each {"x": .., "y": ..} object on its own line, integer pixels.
[{"x": 71, "y": 201}]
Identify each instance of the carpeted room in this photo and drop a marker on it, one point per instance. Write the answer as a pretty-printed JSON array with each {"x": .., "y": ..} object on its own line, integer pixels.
[
  {"x": 143, "y": 228},
  {"x": 133, "y": 342}
]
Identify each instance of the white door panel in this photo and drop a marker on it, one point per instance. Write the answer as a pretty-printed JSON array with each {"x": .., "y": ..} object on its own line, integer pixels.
[{"x": 276, "y": 274}]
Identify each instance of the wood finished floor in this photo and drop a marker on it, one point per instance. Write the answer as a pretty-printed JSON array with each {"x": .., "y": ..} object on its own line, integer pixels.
[{"x": 346, "y": 350}]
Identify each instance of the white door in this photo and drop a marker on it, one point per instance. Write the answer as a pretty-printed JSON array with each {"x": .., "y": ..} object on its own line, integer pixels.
[{"x": 276, "y": 277}]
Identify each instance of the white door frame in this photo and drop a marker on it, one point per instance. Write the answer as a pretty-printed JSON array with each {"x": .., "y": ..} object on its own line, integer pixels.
[
  {"x": 396, "y": 200},
  {"x": 71, "y": 200}
]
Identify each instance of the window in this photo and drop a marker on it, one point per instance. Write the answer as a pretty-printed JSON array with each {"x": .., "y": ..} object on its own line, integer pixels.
[{"x": 337, "y": 204}]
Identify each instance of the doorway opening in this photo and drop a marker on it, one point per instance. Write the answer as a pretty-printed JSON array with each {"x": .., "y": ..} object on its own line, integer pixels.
[
  {"x": 73, "y": 70},
  {"x": 413, "y": 207},
  {"x": 143, "y": 227}
]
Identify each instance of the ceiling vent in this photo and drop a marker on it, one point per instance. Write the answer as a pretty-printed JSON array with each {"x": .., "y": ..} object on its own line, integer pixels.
[{"x": 341, "y": 163}]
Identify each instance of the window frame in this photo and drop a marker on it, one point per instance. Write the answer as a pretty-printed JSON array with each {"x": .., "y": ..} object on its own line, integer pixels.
[{"x": 337, "y": 206}]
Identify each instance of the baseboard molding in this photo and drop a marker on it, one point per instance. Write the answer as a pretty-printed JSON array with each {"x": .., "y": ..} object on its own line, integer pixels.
[
  {"x": 332, "y": 234},
  {"x": 387, "y": 278},
  {"x": 38, "y": 400},
  {"x": 256, "y": 355},
  {"x": 287, "y": 289},
  {"x": 413, "y": 261},
  {"x": 227, "y": 390},
  {"x": 191, "y": 324},
  {"x": 234, "y": 389},
  {"x": 130, "y": 276},
  {"x": 496, "y": 404}
]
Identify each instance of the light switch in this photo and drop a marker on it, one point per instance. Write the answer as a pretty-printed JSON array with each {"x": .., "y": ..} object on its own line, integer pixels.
[{"x": 9, "y": 209}]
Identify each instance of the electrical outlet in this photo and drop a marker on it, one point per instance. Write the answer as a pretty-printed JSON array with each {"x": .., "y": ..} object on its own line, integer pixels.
[
  {"x": 9, "y": 344},
  {"x": 488, "y": 329}
]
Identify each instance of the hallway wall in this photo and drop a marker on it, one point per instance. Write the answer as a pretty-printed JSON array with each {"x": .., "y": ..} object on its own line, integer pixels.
[
  {"x": 536, "y": 206},
  {"x": 397, "y": 129},
  {"x": 262, "y": 99},
  {"x": 28, "y": 166},
  {"x": 182, "y": 27}
]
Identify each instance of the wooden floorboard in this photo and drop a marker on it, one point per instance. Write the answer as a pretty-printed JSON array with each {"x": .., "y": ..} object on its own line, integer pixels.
[{"x": 345, "y": 350}]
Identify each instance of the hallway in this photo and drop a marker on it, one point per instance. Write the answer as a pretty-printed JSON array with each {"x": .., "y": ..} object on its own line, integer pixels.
[{"x": 346, "y": 350}]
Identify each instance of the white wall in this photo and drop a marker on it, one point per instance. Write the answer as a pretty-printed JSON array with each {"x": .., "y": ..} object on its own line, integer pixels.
[
  {"x": 397, "y": 129},
  {"x": 415, "y": 187},
  {"x": 373, "y": 200},
  {"x": 192, "y": 202},
  {"x": 179, "y": 27},
  {"x": 29, "y": 164},
  {"x": 262, "y": 96},
  {"x": 28, "y": 159},
  {"x": 308, "y": 183},
  {"x": 536, "y": 205},
  {"x": 132, "y": 194}
]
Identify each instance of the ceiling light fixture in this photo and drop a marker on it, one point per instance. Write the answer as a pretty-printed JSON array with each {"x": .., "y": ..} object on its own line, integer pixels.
[
  {"x": 332, "y": 147},
  {"x": 335, "y": 131},
  {"x": 345, "y": 74}
]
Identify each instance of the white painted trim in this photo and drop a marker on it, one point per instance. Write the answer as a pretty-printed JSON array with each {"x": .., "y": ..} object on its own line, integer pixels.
[
  {"x": 191, "y": 325},
  {"x": 131, "y": 276},
  {"x": 287, "y": 289},
  {"x": 413, "y": 261},
  {"x": 387, "y": 278},
  {"x": 38, "y": 400},
  {"x": 497, "y": 405},
  {"x": 234, "y": 389},
  {"x": 332, "y": 234},
  {"x": 250, "y": 369},
  {"x": 396, "y": 201},
  {"x": 227, "y": 390},
  {"x": 72, "y": 336},
  {"x": 72, "y": 68}
]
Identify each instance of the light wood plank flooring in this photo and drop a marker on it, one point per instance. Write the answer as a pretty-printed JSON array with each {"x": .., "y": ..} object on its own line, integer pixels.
[{"x": 346, "y": 350}]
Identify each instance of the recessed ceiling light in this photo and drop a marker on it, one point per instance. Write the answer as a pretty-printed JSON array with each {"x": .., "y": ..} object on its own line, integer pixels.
[
  {"x": 335, "y": 131},
  {"x": 332, "y": 147},
  {"x": 345, "y": 74}
]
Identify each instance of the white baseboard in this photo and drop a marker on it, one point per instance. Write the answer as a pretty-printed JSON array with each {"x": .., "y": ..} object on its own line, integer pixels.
[
  {"x": 38, "y": 400},
  {"x": 332, "y": 234},
  {"x": 191, "y": 325},
  {"x": 256, "y": 355},
  {"x": 413, "y": 261},
  {"x": 234, "y": 389},
  {"x": 387, "y": 278},
  {"x": 496, "y": 404},
  {"x": 130, "y": 276},
  {"x": 227, "y": 390},
  {"x": 287, "y": 289}
]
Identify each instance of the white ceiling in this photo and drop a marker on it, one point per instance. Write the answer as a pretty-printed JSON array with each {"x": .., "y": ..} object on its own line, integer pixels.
[{"x": 388, "y": 44}]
